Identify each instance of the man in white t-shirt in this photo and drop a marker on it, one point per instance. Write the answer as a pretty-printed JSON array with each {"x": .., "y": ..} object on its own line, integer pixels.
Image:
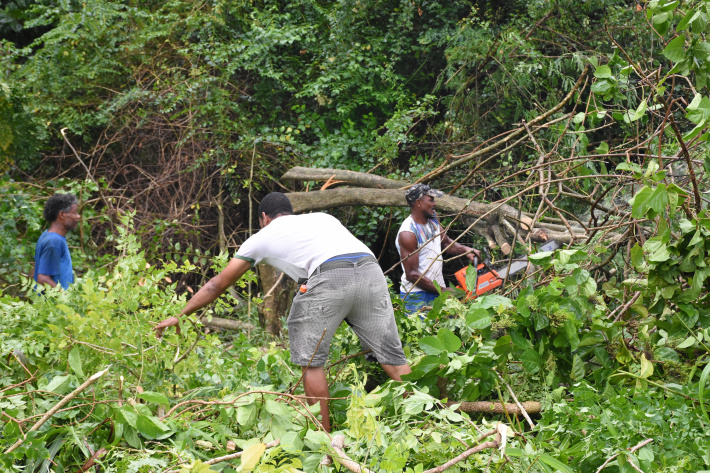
[
  {"x": 420, "y": 241},
  {"x": 340, "y": 280}
]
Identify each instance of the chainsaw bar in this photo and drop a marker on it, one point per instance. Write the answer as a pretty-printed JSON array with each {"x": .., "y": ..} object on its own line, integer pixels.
[
  {"x": 488, "y": 279},
  {"x": 519, "y": 264}
]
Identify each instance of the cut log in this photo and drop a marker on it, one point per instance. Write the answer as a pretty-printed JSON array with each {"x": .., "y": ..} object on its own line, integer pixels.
[
  {"x": 488, "y": 407},
  {"x": 226, "y": 324}
]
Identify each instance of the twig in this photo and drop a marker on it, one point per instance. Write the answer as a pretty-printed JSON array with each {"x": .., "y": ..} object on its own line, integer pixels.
[
  {"x": 491, "y": 444},
  {"x": 92, "y": 460},
  {"x": 631, "y": 450},
  {"x": 276, "y": 283},
  {"x": 512, "y": 135},
  {"x": 58, "y": 406},
  {"x": 338, "y": 444},
  {"x": 520, "y": 406},
  {"x": 231, "y": 456},
  {"x": 346, "y": 358},
  {"x": 624, "y": 308}
]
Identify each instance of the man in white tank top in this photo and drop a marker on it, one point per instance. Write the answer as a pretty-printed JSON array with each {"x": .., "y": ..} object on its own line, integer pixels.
[{"x": 420, "y": 241}]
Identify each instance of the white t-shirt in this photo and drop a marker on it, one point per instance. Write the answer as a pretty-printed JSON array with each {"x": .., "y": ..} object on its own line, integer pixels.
[
  {"x": 431, "y": 264},
  {"x": 298, "y": 244}
]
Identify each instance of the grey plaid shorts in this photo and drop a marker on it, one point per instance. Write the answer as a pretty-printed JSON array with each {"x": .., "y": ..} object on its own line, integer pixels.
[{"x": 338, "y": 291}]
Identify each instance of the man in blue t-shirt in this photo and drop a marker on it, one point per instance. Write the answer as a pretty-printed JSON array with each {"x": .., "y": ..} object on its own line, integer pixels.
[{"x": 52, "y": 259}]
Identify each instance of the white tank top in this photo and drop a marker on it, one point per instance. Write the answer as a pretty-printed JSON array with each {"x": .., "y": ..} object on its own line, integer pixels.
[{"x": 430, "y": 261}]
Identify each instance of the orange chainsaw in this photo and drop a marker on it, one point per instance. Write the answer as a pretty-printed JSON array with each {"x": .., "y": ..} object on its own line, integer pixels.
[{"x": 485, "y": 278}]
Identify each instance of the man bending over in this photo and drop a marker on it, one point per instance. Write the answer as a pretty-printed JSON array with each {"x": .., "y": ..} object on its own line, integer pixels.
[{"x": 340, "y": 279}]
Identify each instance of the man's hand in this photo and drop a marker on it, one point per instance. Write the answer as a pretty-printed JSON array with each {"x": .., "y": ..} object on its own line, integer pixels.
[
  {"x": 169, "y": 322},
  {"x": 474, "y": 254}
]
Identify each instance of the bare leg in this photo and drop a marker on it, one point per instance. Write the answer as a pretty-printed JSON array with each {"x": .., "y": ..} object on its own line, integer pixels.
[
  {"x": 396, "y": 371},
  {"x": 316, "y": 386}
]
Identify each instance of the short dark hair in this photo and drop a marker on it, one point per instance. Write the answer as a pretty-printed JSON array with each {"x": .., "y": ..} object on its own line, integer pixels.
[
  {"x": 275, "y": 204},
  {"x": 58, "y": 203}
]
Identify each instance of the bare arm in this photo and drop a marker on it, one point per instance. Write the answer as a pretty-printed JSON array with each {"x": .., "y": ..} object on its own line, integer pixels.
[
  {"x": 410, "y": 261},
  {"x": 214, "y": 288},
  {"x": 44, "y": 279},
  {"x": 458, "y": 248}
]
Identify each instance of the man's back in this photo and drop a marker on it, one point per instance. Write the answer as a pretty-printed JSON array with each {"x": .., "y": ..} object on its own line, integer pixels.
[{"x": 298, "y": 244}]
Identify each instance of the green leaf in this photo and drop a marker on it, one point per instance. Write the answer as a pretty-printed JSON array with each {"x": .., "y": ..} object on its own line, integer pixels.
[
  {"x": 492, "y": 300},
  {"x": 450, "y": 341},
  {"x": 675, "y": 50},
  {"x": 657, "y": 250},
  {"x": 555, "y": 463},
  {"x": 572, "y": 335},
  {"x": 276, "y": 408},
  {"x": 59, "y": 384},
  {"x": 633, "y": 167},
  {"x": 431, "y": 345},
  {"x": 578, "y": 369},
  {"x": 701, "y": 390},
  {"x": 197, "y": 467},
  {"x": 624, "y": 356},
  {"x": 251, "y": 457},
  {"x": 646, "y": 367},
  {"x": 602, "y": 72},
  {"x": 150, "y": 427},
  {"x": 471, "y": 278},
  {"x": 603, "y": 86},
  {"x": 603, "y": 148},
  {"x": 478, "y": 319},
  {"x": 666, "y": 354},
  {"x": 649, "y": 199},
  {"x": 246, "y": 415},
  {"x": 637, "y": 257},
  {"x": 699, "y": 113},
  {"x": 531, "y": 361},
  {"x": 687, "y": 19},
  {"x": 155, "y": 398},
  {"x": 661, "y": 23},
  {"x": 75, "y": 361},
  {"x": 543, "y": 258},
  {"x": 688, "y": 342},
  {"x": 291, "y": 442}
]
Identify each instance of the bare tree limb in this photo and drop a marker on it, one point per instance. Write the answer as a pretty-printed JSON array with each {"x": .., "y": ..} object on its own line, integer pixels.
[{"x": 353, "y": 178}]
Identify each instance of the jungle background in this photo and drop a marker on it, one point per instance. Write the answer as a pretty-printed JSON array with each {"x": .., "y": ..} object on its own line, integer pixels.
[{"x": 582, "y": 121}]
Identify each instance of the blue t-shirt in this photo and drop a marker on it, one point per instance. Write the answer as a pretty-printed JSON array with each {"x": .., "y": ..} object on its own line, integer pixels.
[{"x": 53, "y": 259}]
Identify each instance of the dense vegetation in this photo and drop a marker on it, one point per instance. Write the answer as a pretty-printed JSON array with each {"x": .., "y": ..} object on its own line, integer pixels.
[{"x": 171, "y": 119}]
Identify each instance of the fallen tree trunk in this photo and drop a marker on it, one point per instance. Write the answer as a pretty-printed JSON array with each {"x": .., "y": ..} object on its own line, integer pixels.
[
  {"x": 329, "y": 199},
  {"x": 352, "y": 178},
  {"x": 491, "y": 220}
]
